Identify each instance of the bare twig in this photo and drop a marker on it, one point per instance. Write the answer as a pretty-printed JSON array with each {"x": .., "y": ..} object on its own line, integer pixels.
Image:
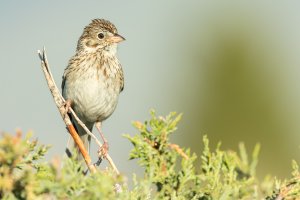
[{"x": 60, "y": 102}]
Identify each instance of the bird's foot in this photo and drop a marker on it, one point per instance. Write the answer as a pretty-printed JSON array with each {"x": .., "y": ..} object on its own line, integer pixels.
[
  {"x": 102, "y": 152},
  {"x": 67, "y": 106}
]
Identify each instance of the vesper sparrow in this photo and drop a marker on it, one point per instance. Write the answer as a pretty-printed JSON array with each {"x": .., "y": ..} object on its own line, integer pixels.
[{"x": 94, "y": 78}]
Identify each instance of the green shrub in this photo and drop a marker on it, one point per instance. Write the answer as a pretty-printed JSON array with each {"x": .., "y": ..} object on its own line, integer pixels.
[{"x": 170, "y": 171}]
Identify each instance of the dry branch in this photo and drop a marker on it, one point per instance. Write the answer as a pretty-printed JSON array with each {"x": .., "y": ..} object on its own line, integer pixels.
[{"x": 60, "y": 103}]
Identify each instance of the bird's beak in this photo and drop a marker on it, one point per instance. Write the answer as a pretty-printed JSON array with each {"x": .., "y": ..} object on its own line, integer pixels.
[{"x": 116, "y": 38}]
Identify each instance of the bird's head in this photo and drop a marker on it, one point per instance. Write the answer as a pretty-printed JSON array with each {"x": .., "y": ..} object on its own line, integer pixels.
[{"x": 100, "y": 35}]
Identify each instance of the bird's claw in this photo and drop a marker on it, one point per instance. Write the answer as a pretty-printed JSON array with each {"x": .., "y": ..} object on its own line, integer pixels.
[
  {"x": 67, "y": 104},
  {"x": 103, "y": 150}
]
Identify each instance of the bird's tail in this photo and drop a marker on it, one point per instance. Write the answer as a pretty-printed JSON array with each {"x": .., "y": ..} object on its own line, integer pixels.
[{"x": 86, "y": 139}]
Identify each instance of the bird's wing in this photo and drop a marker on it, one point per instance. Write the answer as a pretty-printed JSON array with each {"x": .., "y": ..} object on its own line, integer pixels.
[
  {"x": 122, "y": 85},
  {"x": 121, "y": 78},
  {"x": 63, "y": 82}
]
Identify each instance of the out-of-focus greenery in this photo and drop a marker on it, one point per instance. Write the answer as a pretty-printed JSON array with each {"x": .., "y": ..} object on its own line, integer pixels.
[{"x": 170, "y": 171}]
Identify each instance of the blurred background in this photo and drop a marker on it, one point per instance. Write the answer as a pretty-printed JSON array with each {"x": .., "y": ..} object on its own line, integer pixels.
[{"x": 232, "y": 68}]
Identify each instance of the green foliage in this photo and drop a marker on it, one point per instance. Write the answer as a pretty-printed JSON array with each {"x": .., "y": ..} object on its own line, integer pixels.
[
  {"x": 170, "y": 171},
  {"x": 25, "y": 176},
  {"x": 17, "y": 161}
]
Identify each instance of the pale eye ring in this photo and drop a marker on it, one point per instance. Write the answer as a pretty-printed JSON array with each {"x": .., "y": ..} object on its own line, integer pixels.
[{"x": 101, "y": 35}]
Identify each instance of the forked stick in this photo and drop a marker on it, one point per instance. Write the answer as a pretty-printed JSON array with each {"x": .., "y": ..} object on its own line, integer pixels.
[{"x": 60, "y": 103}]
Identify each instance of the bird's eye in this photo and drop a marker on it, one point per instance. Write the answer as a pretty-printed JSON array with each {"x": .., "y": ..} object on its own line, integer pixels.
[{"x": 100, "y": 36}]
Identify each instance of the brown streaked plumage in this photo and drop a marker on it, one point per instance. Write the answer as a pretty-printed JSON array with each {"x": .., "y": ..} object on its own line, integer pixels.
[{"x": 94, "y": 77}]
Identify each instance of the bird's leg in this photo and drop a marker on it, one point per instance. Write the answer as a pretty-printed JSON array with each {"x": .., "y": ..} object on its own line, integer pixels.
[{"x": 104, "y": 148}]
